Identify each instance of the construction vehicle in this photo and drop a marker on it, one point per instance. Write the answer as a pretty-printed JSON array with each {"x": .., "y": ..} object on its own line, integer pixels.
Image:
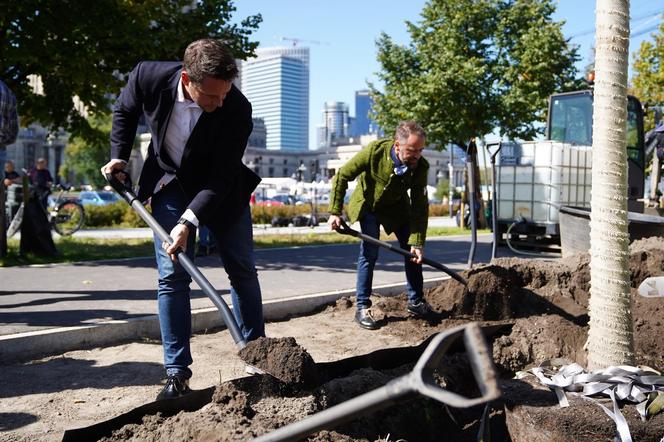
[{"x": 534, "y": 179}]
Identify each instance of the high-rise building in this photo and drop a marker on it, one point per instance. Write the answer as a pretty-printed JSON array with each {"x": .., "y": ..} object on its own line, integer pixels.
[
  {"x": 258, "y": 137},
  {"x": 276, "y": 82},
  {"x": 363, "y": 124},
  {"x": 362, "y": 109},
  {"x": 335, "y": 124}
]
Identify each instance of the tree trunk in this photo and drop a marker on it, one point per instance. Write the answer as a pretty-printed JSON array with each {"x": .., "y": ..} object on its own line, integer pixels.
[{"x": 610, "y": 337}]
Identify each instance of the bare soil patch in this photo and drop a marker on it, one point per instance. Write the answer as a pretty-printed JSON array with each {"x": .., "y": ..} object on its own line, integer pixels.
[{"x": 545, "y": 302}]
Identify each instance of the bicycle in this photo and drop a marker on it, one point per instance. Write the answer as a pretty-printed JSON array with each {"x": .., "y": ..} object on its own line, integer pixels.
[{"x": 65, "y": 216}]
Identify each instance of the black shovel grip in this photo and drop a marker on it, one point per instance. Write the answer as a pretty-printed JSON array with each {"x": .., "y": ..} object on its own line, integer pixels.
[{"x": 120, "y": 181}]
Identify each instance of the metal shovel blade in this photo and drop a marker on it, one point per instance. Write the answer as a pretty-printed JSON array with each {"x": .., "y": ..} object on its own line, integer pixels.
[{"x": 419, "y": 381}]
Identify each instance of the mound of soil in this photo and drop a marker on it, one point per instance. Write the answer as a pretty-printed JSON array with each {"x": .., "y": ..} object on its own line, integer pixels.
[
  {"x": 545, "y": 302},
  {"x": 245, "y": 408},
  {"x": 283, "y": 358}
]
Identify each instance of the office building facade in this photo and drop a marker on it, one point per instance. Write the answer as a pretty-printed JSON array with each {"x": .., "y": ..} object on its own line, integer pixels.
[
  {"x": 276, "y": 82},
  {"x": 335, "y": 125}
]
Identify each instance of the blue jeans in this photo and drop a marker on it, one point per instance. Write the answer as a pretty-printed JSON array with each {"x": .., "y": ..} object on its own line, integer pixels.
[
  {"x": 236, "y": 246},
  {"x": 205, "y": 237},
  {"x": 367, "y": 261}
]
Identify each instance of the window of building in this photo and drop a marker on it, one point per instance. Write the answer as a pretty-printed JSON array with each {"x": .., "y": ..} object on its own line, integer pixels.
[{"x": 270, "y": 171}]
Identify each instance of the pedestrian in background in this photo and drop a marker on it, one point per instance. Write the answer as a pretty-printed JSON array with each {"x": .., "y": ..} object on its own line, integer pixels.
[
  {"x": 11, "y": 175},
  {"x": 42, "y": 180},
  {"x": 392, "y": 192}
]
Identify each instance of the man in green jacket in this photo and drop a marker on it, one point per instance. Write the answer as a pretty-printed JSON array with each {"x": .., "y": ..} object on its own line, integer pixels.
[{"x": 386, "y": 170}]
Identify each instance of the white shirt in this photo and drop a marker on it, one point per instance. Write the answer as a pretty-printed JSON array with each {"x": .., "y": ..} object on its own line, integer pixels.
[{"x": 184, "y": 116}]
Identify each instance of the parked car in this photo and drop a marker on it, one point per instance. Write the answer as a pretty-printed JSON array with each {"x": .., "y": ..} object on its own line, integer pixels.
[
  {"x": 286, "y": 199},
  {"x": 98, "y": 197},
  {"x": 268, "y": 202}
]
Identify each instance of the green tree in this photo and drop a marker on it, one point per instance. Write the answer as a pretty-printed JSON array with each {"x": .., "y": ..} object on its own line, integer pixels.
[
  {"x": 472, "y": 66},
  {"x": 83, "y": 48},
  {"x": 84, "y": 157},
  {"x": 648, "y": 78}
]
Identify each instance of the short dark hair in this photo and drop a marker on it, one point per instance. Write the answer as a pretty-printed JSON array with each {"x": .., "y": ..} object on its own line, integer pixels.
[
  {"x": 209, "y": 58},
  {"x": 406, "y": 128}
]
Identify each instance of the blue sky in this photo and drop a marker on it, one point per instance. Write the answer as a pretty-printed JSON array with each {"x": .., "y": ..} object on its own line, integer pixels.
[{"x": 344, "y": 57}]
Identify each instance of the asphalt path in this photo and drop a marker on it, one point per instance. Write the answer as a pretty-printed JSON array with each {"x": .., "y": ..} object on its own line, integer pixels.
[{"x": 35, "y": 298}]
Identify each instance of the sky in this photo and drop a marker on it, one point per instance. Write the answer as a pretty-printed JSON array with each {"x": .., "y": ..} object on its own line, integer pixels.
[{"x": 341, "y": 35}]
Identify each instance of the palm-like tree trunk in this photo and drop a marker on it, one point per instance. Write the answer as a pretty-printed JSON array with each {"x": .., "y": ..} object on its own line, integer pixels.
[{"x": 610, "y": 338}]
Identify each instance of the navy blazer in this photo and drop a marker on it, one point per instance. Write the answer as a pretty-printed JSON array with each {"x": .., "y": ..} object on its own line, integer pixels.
[{"x": 211, "y": 171}]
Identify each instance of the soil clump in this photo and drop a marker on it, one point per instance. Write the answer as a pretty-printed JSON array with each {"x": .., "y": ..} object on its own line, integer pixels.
[{"x": 283, "y": 358}]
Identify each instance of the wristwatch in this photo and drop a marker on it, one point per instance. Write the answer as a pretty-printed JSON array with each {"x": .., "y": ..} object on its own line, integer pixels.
[{"x": 187, "y": 223}]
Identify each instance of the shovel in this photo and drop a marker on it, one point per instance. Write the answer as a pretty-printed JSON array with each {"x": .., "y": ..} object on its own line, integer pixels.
[
  {"x": 123, "y": 187},
  {"x": 419, "y": 381},
  {"x": 346, "y": 230}
]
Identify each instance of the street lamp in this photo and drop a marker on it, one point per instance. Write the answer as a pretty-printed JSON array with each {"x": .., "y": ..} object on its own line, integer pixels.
[{"x": 450, "y": 169}]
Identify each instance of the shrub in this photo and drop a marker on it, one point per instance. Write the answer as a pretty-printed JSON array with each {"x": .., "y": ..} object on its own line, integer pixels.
[
  {"x": 439, "y": 210},
  {"x": 112, "y": 215},
  {"x": 105, "y": 216},
  {"x": 131, "y": 218},
  {"x": 264, "y": 214}
]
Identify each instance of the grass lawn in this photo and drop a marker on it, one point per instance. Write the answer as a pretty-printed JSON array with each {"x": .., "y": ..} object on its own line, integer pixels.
[{"x": 73, "y": 249}]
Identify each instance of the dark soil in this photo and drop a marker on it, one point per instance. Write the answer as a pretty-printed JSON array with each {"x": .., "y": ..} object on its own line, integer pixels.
[
  {"x": 283, "y": 358},
  {"x": 530, "y": 405},
  {"x": 543, "y": 303}
]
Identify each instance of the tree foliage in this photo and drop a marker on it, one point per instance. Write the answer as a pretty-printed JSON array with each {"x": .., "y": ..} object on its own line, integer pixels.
[
  {"x": 84, "y": 157},
  {"x": 648, "y": 78},
  {"x": 474, "y": 65},
  {"x": 84, "y": 48}
]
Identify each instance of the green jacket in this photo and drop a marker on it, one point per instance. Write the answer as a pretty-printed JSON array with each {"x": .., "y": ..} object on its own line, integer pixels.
[{"x": 381, "y": 191}]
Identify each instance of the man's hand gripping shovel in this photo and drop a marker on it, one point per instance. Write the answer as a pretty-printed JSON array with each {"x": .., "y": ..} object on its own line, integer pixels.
[
  {"x": 121, "y": 183},
  {"x": 346, "y": 230}
]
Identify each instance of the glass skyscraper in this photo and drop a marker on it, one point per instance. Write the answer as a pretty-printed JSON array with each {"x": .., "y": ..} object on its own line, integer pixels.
[
  {"x": 276, "y": 82},
  {"x": 335, "y": 124},
  {"x": 362, "y": 108}
]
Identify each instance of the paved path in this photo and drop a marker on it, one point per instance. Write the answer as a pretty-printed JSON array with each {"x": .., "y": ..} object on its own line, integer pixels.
[{"x": 42, "y": 297}]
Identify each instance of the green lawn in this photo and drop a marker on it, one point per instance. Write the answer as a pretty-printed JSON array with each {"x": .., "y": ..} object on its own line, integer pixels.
[{"x": 92, "y": 249}]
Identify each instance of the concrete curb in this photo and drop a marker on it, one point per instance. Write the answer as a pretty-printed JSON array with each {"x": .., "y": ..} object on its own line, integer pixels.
[{"x": 29, "y": 345}]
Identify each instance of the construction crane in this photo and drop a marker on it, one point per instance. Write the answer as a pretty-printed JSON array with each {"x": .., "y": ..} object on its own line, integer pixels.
[{"x": 296, "y": 41}]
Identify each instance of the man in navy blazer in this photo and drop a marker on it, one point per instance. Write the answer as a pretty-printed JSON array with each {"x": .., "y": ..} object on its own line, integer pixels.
[{"x": 200, "y": 123}]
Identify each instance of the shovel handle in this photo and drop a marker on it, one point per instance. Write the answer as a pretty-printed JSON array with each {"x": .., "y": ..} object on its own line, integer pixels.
[
  {"x": 123, "y": 187},
  {"x": 345, "y": 229}
]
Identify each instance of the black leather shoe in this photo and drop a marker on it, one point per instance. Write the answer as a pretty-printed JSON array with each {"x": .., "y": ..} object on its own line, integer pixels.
[
  {"x": 176, "y": 386},
  {"x": 364, "y": 318},
  {"x": 421, "y": 309}
]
